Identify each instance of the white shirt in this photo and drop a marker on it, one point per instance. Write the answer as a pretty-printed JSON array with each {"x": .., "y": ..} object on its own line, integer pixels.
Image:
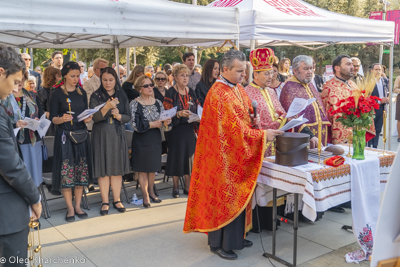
[
  {"x": 380, "y": 88},
  {"x": 83, "y": 76}
]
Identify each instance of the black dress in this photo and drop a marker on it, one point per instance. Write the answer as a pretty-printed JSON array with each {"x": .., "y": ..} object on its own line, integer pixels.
[
  {"x": 110, "y": 148},
  {"x": 181, "y": 138},
  {"x": 159, "y": 96},
  {"x": 72, "y": 163},
  {"x": 129, "y": 91},
  {"x": 201, "y": 91},
  {"x": 43, "y": 97},
  {"x": 146, "y": 141}
]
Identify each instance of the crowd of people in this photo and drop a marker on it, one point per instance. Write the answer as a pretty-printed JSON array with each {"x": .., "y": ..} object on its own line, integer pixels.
[{"x": 134, "y": 101}]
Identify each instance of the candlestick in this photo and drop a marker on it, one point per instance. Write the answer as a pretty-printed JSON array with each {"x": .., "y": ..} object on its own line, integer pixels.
[
  {"x": 69, "y": 106},
  {"x": 350, "y": 138},
  {"x": 319, "y": 139},
  {"x": 384, "y": 131}
]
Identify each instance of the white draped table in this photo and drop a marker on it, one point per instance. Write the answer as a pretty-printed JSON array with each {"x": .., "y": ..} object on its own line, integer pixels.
[{"x": 326, "y": 187}]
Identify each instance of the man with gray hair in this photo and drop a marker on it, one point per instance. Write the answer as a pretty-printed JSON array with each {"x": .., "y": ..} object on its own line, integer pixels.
[
  {"x": 356, "y": 68},
  {"x": 83, "y": 76},
  {"x": 229, "y": 155},
  {"x": 150, "y": 70},
  {"x": 300, "y": 86}
]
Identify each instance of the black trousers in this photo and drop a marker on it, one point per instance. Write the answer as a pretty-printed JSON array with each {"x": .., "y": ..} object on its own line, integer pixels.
[
  {"x": 230, "y": 237},
  {"x": 14, "y": 249},
  {"x": 378, "y": 120}
]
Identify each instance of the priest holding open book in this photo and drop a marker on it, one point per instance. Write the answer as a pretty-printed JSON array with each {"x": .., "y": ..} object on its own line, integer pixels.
[{"x": 300, "y": 86}]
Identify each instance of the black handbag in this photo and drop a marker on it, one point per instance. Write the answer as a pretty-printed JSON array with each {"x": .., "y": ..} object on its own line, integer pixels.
[
  {"x": 44, "y": 151},
  {"x": 77, "y": 136}
]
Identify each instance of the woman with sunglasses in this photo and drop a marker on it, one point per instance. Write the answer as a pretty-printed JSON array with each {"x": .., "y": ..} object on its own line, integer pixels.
[
  {"x": 161, "y": 85},
  {"x": 146, "y": 143},
  {"x": 110, "y": 149},
  {"x": 181, "y": 138}
]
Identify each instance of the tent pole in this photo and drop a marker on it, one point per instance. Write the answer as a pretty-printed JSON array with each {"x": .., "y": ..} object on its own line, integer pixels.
[
  {"x": 237, "y": 43},
  {"x": 134, "y": 57},
  {"x": 128, "y": 61},
  {"x": 252, "y": 47},
  {"x": 389, "y": 133},
  {"x": 31, "y": 53},
  {"x": 116, "y": 46}
]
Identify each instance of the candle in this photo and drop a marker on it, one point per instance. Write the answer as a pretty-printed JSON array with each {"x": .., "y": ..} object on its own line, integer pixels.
[
  {"x": 69, "y": 106},
  {"x": 319, "y": 138},
  {"x": 384, "y": 124}
]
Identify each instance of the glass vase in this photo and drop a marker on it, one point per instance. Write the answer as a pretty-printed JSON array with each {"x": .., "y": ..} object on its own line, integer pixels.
[{"x": 358, "y": 143}]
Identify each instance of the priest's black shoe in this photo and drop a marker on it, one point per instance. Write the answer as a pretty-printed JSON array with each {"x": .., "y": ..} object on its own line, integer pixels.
[
  {"x": 247, "y": 243},
  {"x": 337, "y": 209},
  {"x": 230, "y": 255}
]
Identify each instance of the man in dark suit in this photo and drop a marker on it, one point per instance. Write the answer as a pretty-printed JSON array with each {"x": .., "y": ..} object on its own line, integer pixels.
[
  {"x": 27, "y": 58},
  {"x": 317, "y": 80},
  {"x": 381, "y": 90},
  {"x": 19, "y": 196}
]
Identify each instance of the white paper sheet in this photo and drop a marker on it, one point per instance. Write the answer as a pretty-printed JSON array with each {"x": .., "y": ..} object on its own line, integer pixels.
[
  {"x": 88, "y": 112},
  {"x": 44, "y": 125},
  {"x": 199, "y": 111},
  {"x": 32, "y": 124},
  {"x": 166, "y": 114},
  {"x": 308, "y": 167},
  {"x": 298, "y": 105},
  {"x": 293, "y": 123},
  {"x": 193, "y": 117},
  {"x": 16, "y": 130}
]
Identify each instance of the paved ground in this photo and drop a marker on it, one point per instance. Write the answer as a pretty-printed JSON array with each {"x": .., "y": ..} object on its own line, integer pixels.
[{"x": 153, "y": 237}]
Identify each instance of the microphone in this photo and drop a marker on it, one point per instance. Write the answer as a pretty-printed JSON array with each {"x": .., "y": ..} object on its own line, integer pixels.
[{"x": 254, "y": 105}]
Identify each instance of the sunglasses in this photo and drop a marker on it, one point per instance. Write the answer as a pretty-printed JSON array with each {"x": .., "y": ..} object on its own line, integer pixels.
[
  {"x": 161, "y": 79},
  {"x": 27, "y": 59},
  {"x": 147, "y": 85}
]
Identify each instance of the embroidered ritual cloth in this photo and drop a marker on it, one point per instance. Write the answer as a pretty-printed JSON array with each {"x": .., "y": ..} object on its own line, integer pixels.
[
  {"x": 228, "y": 159},
  {"x": 295, "y": 89},
  {"x": 335, "y": 90},
  {"x": 272, "y": 114}
]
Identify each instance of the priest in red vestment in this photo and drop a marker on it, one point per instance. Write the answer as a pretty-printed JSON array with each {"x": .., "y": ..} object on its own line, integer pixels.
[
  {"x": 272, "y": 114},
  {"x": 228, "y": 158},
  {"x": 300, "y": 86},
  {"x": 340, "y": 87}
]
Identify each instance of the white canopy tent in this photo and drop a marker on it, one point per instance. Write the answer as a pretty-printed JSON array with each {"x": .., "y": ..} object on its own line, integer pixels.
[
  {"x": 294, "y": 22},
  {"x": 111, "y": 23}
]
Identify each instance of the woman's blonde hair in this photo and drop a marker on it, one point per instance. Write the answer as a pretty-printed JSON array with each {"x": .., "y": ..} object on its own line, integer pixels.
[
  {"x": 132, "y": 77},
  {"x": 180, "y": 68},
  {"x": 161, "y": 72},
  {"x": 139, "y": 81},
  {"x": 281, "y": 63}
]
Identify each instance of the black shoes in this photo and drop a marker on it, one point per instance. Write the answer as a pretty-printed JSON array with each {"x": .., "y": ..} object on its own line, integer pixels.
[
  {"x": 337, "y": 209},
  {"x": 123, "y": 209},
  {"x": 175, "y": 193},
  {"x": 69, "y": 218},
  {"x": 226, "y": 255},
  {"x": 185, "y": 192},
  {"x": 82, "y": 215},
  {"x": 104, "y": 212},
  {"x": 155, "y": 200},
  {"x": 247, "y": 243},
  {"x": 146, "y": 205}
]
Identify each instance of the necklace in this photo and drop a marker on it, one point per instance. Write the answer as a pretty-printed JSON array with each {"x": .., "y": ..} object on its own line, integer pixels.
[
  {"x": 185, "y": 100},
  {"x": 146, "y": 102}
]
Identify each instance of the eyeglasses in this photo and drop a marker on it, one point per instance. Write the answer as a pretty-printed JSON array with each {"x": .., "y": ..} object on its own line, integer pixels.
[
  {"x": 161, "y": 79},
  {"x": 147, "y": 85}
]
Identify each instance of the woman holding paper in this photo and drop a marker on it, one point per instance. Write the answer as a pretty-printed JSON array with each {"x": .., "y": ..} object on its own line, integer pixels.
[
  {"x": 181, "y": 139},
  {"x": 146, "y": 142},
  {"x": 20, "y": 105},
  {"x": 110, "y": 149},
  {"x": 72, "y": 162}
]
